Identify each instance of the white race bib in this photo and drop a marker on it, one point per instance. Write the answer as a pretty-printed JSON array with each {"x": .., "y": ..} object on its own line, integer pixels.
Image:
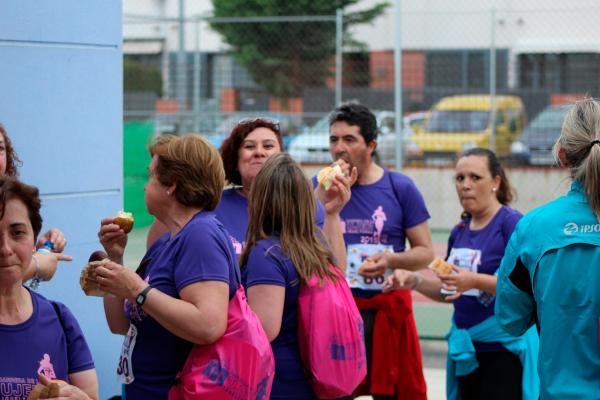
[
  {"x": 124, "y": 369},
  {"x": 357, "y": 255},
  {"x": 468, "y": 259}
]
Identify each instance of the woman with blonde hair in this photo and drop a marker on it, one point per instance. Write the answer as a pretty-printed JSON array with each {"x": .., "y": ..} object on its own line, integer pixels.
[
  {"x": 550, "y": 274},
  {"x": 181, "y": 291},
  {"x": 284, "y": 248}
]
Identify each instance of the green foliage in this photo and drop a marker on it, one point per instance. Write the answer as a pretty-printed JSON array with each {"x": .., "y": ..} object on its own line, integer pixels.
[
  {"x": 285, "y": 57},
  {"x": 138, "y": 77}
]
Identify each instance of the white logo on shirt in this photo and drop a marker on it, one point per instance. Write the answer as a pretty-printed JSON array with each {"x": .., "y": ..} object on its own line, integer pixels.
[{"x": 571, "y": 228}]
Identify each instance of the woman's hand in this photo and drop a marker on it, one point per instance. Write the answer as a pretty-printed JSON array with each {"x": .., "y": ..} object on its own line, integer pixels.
[
  {"x": 113, "y": 239},
  {"x": 66, "y": 391},
  {"x": 400, "y": 279},
  {"x": 56, "y": 237},
  {"x": 120, "y": 281},
  {"x": 48, "y": 264},
  {"x": 461, "y": 281}
]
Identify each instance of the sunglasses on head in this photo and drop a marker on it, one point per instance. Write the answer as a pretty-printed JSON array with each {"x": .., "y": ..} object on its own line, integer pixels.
[{"x": 246, "y": 121}]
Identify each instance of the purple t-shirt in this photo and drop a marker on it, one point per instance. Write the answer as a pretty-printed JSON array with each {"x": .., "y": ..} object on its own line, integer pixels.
[
  {"x": 232, "y": 211},
  {"x": 483, "y": 248},
  {"x": 380, "y": 213},
  {"x": 268, "y": 265},
  {"x": 41, "y": 345},
  {"x": 201, "y": 251}
]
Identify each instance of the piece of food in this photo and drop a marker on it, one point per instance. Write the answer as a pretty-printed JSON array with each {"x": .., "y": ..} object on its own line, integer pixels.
[
  {"x": 89, "y": 279},
  {"x": 40, "y": 391},
  {"x": 440, "y": 267},
  {"x": 124, "y": 220},
  {"x": 326, "y": 175},
  {"x": 367, "y": 263}
]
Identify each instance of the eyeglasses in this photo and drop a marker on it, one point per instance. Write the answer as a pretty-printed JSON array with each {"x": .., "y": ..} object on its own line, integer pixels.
[{"x": 246, "y": 121}]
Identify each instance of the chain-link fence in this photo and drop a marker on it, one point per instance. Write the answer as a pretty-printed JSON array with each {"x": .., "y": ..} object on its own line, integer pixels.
[{"x": 471, "y": 77}]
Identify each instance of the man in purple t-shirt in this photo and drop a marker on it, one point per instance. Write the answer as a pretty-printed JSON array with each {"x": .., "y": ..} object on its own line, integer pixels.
[{"x": 385, "y": 209}]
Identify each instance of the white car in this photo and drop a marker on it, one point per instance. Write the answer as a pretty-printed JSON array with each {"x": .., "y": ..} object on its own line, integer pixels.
[
  {"x": 386, "y": 144},
  {"x": 312, "y": 145}
]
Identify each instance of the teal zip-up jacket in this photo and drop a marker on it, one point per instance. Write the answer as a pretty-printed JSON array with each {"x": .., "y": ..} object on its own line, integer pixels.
[{"x": 550, "y": 277}]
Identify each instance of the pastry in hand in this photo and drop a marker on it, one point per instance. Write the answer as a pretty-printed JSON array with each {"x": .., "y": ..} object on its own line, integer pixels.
[
  {"x": 41, "y": 391},
  {"x": 124, "y": 220},
  {"x": 89, "y": 279},
  {"x": 440, "y": 267},
  {"x": 367, "y": 263},
  {"x": 326, "y": 175}
]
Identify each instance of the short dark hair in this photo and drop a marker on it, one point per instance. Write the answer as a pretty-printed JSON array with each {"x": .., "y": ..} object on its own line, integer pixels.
[
  {"x": 231, "y": 146},
  {"x": 10, "y": 189},
  {"x": 12, "y": 161},
  {"x": 505, "y": 192},
  {"x": 358, "y": 115}
]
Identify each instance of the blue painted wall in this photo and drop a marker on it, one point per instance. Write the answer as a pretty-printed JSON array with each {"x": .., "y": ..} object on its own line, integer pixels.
[{"x": 61, "y": 103}]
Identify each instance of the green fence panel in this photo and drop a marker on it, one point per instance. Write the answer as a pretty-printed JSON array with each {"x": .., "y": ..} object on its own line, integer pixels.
[{"x": 136, "y": 137}]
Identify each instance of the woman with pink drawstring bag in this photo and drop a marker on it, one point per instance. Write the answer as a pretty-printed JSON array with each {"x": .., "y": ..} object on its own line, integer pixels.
[{"x": 290, "y": 277}]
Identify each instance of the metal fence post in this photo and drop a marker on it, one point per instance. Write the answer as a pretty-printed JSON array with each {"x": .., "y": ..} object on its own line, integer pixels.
[
  {"x": 493, "y": 80},
  {"x": 398, "y": 85},
  {"x": 339, "y": 20},
  {"x": 181, "y": 77},
  {"x": 197, "y": 72}
]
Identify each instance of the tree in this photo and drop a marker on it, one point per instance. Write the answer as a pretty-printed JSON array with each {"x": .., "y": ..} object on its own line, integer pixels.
[
  {"x": 285, "y": 57},
  {"x": 138, "y": 77}
]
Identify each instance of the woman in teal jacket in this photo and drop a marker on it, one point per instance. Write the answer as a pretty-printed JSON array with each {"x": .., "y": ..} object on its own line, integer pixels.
[{"x": 550, "y": 273}]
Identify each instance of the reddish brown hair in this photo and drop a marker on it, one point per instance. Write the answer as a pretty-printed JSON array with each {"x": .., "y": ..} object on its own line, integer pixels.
[
  {"x": 231, "y": 146},
  {"x": 12, "y": 161}
]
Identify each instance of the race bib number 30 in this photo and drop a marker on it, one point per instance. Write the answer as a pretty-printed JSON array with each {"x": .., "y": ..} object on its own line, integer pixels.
[
  {"x": 358, "y": 255},
  {"x": 124, "y": 371}
]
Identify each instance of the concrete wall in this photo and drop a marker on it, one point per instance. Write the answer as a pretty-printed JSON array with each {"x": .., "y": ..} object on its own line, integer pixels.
[
  {"x": 61, "y": 103},
  {"x": 534, "y": 187}
]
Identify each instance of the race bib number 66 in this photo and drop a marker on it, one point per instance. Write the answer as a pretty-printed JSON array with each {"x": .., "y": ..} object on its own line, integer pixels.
[{"x": 357, "y": 256}]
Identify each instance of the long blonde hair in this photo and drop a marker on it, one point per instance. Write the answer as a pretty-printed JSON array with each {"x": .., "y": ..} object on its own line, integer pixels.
[
  {"x": 282, "y": 205},
  {"x": 579, "y": 140}
]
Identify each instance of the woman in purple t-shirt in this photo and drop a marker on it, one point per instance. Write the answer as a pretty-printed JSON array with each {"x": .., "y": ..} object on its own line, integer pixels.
[
  {"x": 475, "y": 248},
  {"x": 40, "y": 339},
  {"x": 284, "y": 249},
  {"x": 180, "y": 295}
]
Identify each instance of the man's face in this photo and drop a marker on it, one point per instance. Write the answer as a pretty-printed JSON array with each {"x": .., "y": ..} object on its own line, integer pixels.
[{"x": 346, "y": 142}]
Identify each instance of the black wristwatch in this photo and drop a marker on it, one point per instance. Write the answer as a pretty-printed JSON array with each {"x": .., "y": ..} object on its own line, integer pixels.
[{"x": 141, "y": 298}]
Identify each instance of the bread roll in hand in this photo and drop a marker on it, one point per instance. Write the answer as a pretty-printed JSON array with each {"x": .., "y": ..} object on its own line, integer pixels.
[{"x": 327, "y": 174}]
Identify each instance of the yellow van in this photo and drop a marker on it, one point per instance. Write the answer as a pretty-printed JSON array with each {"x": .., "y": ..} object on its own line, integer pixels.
[{"x": 458, "y": 123}]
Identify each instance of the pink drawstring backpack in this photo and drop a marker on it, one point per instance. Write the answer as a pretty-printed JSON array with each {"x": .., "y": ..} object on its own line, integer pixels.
[
  {"x": 331, "y": 338},
  {"x": 238, "y": 366}
]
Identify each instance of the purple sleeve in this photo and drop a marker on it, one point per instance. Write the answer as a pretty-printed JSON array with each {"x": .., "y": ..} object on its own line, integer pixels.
[
  {"x": 413, "y": 206},
  {"x": 202, "y": 256},
  {"x": 320, "y": 212},
  {"x": 78, "y": 352},
  {"x": 263, "y": 269}
]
